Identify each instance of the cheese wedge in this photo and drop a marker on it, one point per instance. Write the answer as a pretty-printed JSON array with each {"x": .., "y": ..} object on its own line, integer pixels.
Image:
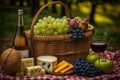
[{"x": 67, "y": 69}]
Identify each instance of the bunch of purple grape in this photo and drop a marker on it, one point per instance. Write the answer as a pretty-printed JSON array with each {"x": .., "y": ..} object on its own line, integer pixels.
[
  {"x": 77, "y": 33},
  {"x": 83, "y": 68}
]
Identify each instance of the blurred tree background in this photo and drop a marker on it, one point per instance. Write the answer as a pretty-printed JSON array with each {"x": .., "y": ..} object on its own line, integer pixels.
[{"x": 103, "y": 14}]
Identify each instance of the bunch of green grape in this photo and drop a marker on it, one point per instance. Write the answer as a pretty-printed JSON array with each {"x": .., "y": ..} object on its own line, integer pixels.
[{"x": 50, "y": 26}]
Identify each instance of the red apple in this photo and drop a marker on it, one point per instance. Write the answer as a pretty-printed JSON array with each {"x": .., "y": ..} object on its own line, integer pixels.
[
  {"x": 84, "y": 25},
  {"x": 73, "y": 22},
  {"x": 86, "y": 20},
  {"x": 105, "y": 66},
  {"x": 92, "y": 57}
]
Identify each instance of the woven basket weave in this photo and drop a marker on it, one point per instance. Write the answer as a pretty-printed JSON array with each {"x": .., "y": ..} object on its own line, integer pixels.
[{"x": 60, "y": 46}]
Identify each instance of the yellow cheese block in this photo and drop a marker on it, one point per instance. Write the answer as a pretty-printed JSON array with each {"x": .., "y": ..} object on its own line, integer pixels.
[
  {"x": 67, "y": 69},
  {"x": 62, "y": 65}
]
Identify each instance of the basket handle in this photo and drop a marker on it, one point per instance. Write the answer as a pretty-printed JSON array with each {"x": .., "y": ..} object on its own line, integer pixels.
[
  {"x": 42, "y": 8},
  {"x": 36, "y": 17}
]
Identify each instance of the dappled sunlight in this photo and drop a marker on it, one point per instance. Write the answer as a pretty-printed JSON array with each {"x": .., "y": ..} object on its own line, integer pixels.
[
  {"x": 58, "y": 6},
  {"x": 115, "y": 10},
  {"x": 84, "y": 7},
  {"x": 99, "y": 9},
  {"x": 74, "y": 7},
  {"x": 103, "y": 19},
  {"x": 108, "y": 7},
  {"x": 41, "y": 3}
]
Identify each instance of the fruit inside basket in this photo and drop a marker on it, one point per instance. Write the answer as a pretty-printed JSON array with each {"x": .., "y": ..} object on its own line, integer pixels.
[{"x": 67, "y": 38}]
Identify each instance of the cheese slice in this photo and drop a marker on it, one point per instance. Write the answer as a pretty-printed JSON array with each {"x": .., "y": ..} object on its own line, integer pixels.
[
  {"x": 61, "y": 66},
  {"x": 61, "y": 63},
  {"x": 67, "y": 69},
  {"x": 47, "y": 62},
  {"x": 35, "y": 71}
]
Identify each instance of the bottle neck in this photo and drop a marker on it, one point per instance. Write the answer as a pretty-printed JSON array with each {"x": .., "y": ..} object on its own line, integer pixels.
[{"x": 20, "y": 20}]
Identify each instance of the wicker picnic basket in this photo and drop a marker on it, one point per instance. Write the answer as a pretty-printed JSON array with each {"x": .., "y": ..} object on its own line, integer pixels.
[{"x": 60, "y": 46}]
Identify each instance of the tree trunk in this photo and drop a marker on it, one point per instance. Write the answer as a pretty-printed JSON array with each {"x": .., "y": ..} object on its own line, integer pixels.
[
  {"x": 69, "y": 4},
  {"x": 92, "y": 14},
  {"x": 54, "y": 8},
  {"x": 12, "y": 2},
  {"x": 28, "y": 2},
  {"x": 63, "y": 9},
  {"x": 34, "y": 7},
  {"x": 21, "y": 3},
  {"x": 46, "y": 1}
]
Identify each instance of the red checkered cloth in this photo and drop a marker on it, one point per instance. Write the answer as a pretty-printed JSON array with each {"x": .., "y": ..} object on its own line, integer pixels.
[{"x": 107, "y": 54}]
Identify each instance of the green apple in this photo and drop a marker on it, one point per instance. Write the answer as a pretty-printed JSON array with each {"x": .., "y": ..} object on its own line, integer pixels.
[
  {"x": 92, "y": 57},
  {"x": 105, "y": 65}
]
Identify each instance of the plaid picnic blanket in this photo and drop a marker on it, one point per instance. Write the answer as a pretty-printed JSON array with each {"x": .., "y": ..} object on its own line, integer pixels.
[{"x": 115, "y": 56}]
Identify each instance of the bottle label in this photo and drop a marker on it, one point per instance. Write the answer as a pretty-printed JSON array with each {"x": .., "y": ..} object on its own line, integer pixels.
[{"x": 24, "y": 53}]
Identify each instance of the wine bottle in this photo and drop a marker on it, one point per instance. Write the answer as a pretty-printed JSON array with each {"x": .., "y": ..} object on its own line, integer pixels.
[{"x": 20, "y": 41}]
